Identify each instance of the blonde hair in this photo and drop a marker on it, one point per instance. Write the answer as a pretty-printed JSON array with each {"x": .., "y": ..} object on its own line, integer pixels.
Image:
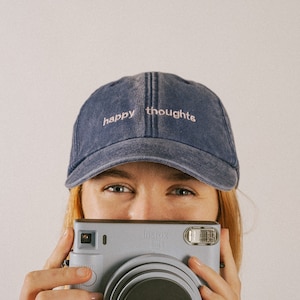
[{"x": 229, "y": 217}]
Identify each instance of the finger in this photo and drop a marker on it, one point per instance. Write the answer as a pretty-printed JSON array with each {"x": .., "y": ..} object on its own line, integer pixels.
[
  {"x": 216, "y": 283},
  {"x": 229, "y": 272},
  {"x": 61, "y": 250},
  {"x": 38, "y": 281},
  {"x": 69, "y": 295},
  {"x": 208, "y": 294}
]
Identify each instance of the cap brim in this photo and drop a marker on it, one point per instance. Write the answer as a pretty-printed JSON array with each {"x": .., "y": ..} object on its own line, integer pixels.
[{"x": 194, "y": 162}]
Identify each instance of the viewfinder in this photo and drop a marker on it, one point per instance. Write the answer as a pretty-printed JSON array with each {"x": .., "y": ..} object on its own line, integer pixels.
[{"x": 86, "y": 238}]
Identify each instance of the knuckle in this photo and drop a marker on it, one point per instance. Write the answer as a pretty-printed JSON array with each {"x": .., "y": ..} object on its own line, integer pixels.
[
  {"x": 68, "y": 274},
  {"x": 30, "y": 279},
  {"x": 30, "y": 286}
]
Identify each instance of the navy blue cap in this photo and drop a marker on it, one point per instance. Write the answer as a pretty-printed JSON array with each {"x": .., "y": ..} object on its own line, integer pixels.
[{"x": 154, "y": 117}]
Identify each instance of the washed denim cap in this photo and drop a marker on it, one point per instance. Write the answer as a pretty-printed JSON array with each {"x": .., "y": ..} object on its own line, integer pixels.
[{"x": 154, "y": 117}]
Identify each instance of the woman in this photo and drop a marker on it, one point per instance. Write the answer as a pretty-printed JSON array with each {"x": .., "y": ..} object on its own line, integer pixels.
[{"x": 153, "y": 147}]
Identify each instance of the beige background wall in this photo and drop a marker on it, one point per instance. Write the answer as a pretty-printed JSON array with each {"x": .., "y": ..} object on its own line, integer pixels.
[{"x": 54, "y": 54}]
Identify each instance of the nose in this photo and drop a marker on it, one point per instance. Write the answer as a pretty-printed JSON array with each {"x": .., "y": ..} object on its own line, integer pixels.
[{"x": 147, "y": 208}]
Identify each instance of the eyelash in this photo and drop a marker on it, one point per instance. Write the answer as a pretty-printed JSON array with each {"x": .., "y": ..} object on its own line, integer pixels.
[
  {"x": 182, "y": 192},
  {"x": 118, "y": 188}
]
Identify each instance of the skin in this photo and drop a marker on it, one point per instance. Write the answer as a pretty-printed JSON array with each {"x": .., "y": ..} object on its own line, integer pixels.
[
  {"x": 148, "y": 191},
  {"x": 144, "y": 191}
]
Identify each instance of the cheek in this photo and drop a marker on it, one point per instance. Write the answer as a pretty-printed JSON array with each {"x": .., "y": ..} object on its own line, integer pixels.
[
  {"x": 95, "y": 208},
  {"x": 90, "y": 206},
  {"x": 213, "y": 207},
  {"x": 211, "y": 212},
  {"x": 207, "y": 210},
  {"x": 200, "y": 214}
]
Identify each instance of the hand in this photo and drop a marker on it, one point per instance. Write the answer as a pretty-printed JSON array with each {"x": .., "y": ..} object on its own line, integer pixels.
[
  {"x": 39, "y": 285},
  {"x": 224, "y": 286}
]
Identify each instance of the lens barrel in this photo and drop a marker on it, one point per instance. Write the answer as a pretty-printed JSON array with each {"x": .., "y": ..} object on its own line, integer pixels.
[{"x": 153, "y": 277}]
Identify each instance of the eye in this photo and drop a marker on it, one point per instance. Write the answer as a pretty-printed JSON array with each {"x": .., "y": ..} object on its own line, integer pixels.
[
  {"x": 118, "y": 189},
  {"x": 181, "y": 192}
]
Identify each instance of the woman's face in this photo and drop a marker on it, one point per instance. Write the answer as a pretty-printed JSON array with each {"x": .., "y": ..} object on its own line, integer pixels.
[{"x": 148, "y": 191}]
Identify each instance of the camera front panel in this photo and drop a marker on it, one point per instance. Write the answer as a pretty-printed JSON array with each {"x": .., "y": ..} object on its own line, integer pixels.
[{"x": 106, "y": 245}]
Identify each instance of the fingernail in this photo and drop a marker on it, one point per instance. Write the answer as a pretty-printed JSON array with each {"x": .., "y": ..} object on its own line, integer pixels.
[
  {"x": 197, "y": 261},
  {"x": 96, "y": 296},
  {"x": 83, "y": 272}
]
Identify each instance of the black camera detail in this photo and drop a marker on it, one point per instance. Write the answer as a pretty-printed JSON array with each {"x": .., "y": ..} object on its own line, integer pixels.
[{"x": 86, "y": 238}]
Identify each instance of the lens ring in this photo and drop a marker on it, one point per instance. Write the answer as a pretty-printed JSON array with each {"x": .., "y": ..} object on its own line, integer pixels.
[
  {"x": 150, "y": 267},
  {"x": 123, "y": 291}
]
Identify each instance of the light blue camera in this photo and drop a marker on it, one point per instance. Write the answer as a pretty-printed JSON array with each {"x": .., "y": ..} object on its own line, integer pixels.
[{"x": 144, "y": 259}]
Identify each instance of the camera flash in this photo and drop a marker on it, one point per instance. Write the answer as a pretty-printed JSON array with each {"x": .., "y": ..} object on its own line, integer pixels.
[{"x": 201, "y": 236}]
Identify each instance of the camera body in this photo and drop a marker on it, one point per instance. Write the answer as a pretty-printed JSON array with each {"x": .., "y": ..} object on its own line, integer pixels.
[{"x": 144, "y": 259}]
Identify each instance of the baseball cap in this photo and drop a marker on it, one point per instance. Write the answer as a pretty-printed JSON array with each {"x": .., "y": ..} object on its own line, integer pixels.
[{"x": 154, "y": 117}]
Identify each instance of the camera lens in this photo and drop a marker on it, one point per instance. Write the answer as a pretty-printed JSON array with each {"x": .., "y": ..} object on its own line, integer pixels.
[
  {"x": 155, "y": 277},
  {"x": 157, "y": 288}
]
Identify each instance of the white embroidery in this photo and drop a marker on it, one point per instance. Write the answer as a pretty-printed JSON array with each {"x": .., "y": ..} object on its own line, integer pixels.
[
  {"x": 118, "y": 117},
  {"x": 176, "y": 114}
]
